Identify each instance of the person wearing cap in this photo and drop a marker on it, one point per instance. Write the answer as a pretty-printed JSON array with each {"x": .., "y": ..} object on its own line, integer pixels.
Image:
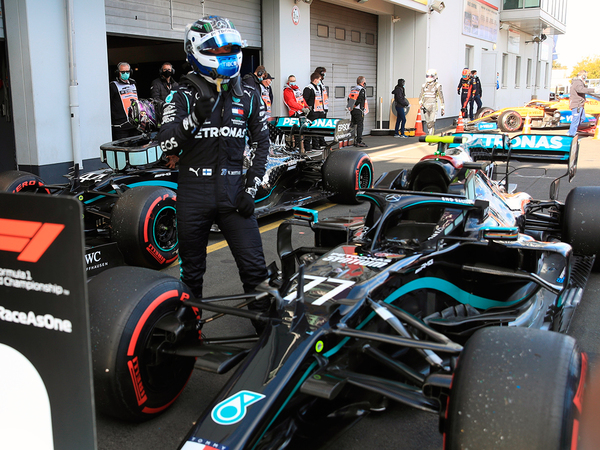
[
  {"x": 266, "y": 92},
  {"x": 464, "y": 89},
  {"x": 475, "y": 94}
]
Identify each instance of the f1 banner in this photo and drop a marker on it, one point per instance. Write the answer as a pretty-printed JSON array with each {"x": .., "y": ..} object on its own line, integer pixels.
[{"x": 46, "y": 384}]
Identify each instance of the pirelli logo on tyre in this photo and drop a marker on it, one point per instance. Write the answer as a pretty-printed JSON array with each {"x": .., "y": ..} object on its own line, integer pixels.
[{"x": 29, "y": 239}]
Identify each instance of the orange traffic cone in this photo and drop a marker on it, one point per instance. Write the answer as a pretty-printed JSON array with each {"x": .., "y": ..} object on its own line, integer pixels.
[
  {"x": 460, "y": 126},
  {"x": 419, "y": 125},
  {"x": 527, "y": 125}
]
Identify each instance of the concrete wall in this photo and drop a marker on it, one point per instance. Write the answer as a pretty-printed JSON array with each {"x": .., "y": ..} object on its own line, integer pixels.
[
  {"x": 38, "y": 53},
  {"x": 286, "y": 46}
]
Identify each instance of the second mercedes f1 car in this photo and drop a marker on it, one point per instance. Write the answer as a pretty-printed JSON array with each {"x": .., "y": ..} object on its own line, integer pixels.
[
  {"x": 129, "y": 208},
  {"x": 452, "y": 302}
]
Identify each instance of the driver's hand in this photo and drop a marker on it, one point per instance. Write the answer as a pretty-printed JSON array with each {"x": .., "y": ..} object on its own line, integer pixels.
[{"x": 172, "y": 161}]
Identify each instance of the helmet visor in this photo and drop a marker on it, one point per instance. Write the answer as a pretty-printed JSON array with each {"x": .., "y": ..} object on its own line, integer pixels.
[{"x": 219, "y": 40}]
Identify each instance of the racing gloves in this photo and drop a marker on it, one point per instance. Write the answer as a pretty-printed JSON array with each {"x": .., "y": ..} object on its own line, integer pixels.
[{"x": 245, "y": 202}]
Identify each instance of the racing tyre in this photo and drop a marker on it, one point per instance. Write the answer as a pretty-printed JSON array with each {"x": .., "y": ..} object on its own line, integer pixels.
[
  {"x": 144, "y": 226},
  {"x": 510, "y": 121},
  {"x": 345, "y": 172},
  {"x": 581, "y": 220},
  {"x": 132, "y": 310},
  {"x": 17, "y": 181},
  {"x": 484, "y": 111},
  {"x": 516, "y": 388}
]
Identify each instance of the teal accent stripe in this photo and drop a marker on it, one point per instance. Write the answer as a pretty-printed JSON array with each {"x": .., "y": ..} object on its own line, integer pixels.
[
  {"x": 167, "y": 184},
  {"x": 304, "y": 377},
  {"x": 448, "y": 288},
  {"x": 372, "y": 198},
  {"x": 266, "y": 196},
  {"x": 421, "y": 283}
]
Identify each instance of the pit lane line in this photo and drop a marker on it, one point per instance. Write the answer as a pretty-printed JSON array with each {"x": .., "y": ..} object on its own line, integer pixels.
[
  {"x": 222, "y": 244},
  {"x": 384, "y": 155}
]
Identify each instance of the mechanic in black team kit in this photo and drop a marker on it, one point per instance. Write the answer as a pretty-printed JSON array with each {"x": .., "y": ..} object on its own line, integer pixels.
[{"x": 205, "y": 122}]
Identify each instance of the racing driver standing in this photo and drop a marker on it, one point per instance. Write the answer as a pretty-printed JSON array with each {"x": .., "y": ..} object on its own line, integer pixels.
[{"x": 205, "y": 122}]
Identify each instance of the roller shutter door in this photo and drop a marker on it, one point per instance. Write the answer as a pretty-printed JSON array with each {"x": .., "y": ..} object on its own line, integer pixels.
[
  {"x": 348, "y": 51},
  {"x": 166, "y": 19}
]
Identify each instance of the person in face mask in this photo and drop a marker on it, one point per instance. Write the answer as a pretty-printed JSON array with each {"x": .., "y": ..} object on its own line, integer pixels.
[
  {"x": 164, "y": 84},
  {"x": 122, "y": 91},
  {"x": 293, "y": 99}
]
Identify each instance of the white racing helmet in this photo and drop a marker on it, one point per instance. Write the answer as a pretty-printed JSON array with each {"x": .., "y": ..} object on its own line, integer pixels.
[
  {"x": 214, "y": 47},
  {"x": 431, "y": 75}
]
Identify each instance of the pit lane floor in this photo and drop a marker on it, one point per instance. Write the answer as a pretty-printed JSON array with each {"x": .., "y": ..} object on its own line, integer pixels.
[{"x": 398, "y": 426}]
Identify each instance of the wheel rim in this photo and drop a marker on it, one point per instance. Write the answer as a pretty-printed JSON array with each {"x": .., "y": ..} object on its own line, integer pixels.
[
  {"x": 512, "y": 122},
  {"x": 159, "y": 369},
  {"x": 165, "y": 229},
  {"x": 365, "y": 177}
]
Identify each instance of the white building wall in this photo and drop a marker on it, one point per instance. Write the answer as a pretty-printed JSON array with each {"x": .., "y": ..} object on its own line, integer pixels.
[
  {"x": 39, "y": 71},
  {"x": 285, "y": 47}
]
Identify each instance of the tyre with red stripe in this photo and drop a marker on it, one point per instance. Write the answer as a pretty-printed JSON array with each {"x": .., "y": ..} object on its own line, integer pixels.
[
  {"x": 516, "y": 388},
  {"x": 18, "y": 181},
  {"x": 345, "y": 172},
  {"x": 144, "y": 226},
  {"x": 136, "y": 316}
]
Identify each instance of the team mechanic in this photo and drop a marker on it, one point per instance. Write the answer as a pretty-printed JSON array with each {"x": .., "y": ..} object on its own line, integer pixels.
[{"x": 205, "y": 123}]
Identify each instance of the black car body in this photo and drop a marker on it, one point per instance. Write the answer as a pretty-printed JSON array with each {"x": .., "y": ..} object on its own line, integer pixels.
[{"x": 425, "y": 301}]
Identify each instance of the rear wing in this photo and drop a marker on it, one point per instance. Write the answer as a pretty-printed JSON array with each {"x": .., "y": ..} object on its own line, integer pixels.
[
  {"x": 534, "y": 148},
  {"x": 339, "y": 129}
]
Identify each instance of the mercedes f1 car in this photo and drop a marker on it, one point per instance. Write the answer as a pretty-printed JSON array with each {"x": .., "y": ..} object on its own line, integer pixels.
[
  {"x": 452, "y": 302},
  {"x": 129, "y": 208},
  {"x": 543, "y": 115}
]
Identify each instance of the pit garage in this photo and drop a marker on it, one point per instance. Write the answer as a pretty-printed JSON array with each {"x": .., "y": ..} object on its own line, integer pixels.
[{"x": 344, "y": 41}]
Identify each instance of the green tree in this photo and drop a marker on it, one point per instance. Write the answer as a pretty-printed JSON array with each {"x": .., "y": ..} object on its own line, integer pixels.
[
  {"x": 557, "y": 65},
  {"x": 591, "y": 64}
]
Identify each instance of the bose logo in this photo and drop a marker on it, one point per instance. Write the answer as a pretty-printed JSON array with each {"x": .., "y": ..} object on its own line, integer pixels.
[{"x": 29, "y": 239}]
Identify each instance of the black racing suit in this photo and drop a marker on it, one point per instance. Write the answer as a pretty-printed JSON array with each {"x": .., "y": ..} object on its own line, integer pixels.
[{"x": 211, "y": 178}]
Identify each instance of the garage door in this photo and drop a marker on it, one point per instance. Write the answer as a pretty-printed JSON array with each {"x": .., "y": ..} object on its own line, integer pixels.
[
  {"x": 167, "y": 19},
  {"x": 345, "y": 42}
]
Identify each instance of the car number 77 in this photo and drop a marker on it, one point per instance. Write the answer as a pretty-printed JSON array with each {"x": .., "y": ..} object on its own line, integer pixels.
[{"x": 316, "y": 281}]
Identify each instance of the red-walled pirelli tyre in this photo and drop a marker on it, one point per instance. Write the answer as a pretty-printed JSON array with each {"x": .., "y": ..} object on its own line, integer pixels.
[
  {"x": 581, "y": 220},
  {"x": 516, "y": 388},
  {"x": 510, "y": 121},
  {"x": 483, "y": 111},
  {"x": 345, "y": 172},
  {"x": 132, "y": 310},
  {"x": 18, "y": 181},
  {"x": 144, "y": 226}
]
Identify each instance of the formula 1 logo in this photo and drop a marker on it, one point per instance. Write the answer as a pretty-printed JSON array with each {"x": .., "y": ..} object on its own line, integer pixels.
[
  {"x": 29, "y": 239},
  {"x": 233, "y": 409}
]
